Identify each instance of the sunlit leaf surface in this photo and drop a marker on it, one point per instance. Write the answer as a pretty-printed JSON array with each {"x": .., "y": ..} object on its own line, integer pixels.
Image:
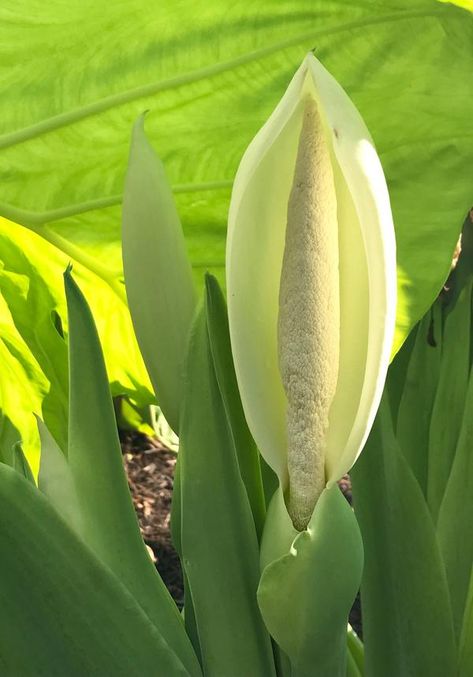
[{"x": 210, "y": 73}]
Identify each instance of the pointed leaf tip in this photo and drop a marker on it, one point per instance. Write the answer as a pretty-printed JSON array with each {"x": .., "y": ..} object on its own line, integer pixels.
[{"x": 156, "y": 266}]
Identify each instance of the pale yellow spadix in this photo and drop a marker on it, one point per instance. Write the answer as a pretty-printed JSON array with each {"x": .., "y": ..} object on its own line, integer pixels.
[
  {"x": 311, "y": 282},
  {"x": 309, "y": 317}
]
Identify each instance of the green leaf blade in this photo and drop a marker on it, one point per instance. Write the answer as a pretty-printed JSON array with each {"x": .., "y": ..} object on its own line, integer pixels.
[
  {"x": 108, "y": 521},
  {"x": 466, "y": 642},
  {"x": 404, "y": 576},
  {"x": 248, "y": 457},
  {"x": 20, "y": 464},
  {"x": 305, "y": 595},
  {"x": 419, "y": 387},
  {"x": 63, "y": 611},
  {"x": 156, "y": 268},
  {"x": 455, "y": 522},
  {"x": 222, "y": 568},
  {"x": 450, "y": 397}
]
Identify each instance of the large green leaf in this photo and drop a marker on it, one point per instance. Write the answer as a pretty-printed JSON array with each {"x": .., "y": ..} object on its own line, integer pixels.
[
  {"x": 33, "y": 353},
  {"x": 210, "y": 73},
  {"x": 404, "y": 578},
  {"x": 467, "y": 4},
  {"x": 62, "y": 611},
  {"x": 22, "y": 388},
  {"x": 29, "y": 295}
]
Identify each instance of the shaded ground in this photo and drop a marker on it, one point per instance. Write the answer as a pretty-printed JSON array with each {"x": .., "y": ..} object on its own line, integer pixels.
[{"x": 150, "y": 470}]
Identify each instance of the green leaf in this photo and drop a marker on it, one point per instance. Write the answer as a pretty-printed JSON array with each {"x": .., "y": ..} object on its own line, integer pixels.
[
  {"x": 455, "y": 522},
  {"x": 306, "y": 593},
  {"x": 108, "y": 521},
  {"x": 397, "y": 374},
  {"x": 419, "y": 387},
  {"x": 210, "y": 74},
  {"x": 352, "y": 667},
  {"x": 176, "y": 535},
  {"x": 28, "y": 295},
  {"x": 217, "y": 532},
  {"x": 248, "y": 457},
  {"x": 131, "y": 417},
  {"x": 20, "y": 464},
  {"x": 56, "y": 481},
  {"x": 466, "y": 644},
  {"x": 62, "y": 611},
  {"x": 158, "y": 275},
  {"x": 23, "y": 387},
  {"x": 356, "y": 650},
  {"x": 34, "y": 354},
  {"x": 467, "y": 4},
  {"x": 449, "y": 403},
  {"x": 404, "y": 576}
]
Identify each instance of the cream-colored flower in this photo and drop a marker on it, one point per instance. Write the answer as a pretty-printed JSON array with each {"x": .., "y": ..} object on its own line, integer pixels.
[{"x": 311, "y": 282}]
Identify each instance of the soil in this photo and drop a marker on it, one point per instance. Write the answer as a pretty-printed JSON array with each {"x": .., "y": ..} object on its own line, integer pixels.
[{"x": 150, "y": 471}]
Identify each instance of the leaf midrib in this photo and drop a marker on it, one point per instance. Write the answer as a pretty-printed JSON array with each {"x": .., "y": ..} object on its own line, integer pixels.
[
  {"x": 37, "y": 221},
  {"x": 70, "y": 117}
]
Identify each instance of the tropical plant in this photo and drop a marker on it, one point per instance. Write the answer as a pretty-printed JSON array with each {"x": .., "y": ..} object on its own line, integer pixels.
[
  {"x": 210, "y": 74},
  {"x": 271, "y": 551}
]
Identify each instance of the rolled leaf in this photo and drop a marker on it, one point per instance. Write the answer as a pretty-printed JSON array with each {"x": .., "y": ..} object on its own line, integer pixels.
[
  {"x": 157, "y": 271},
  {"x": 306, "y": 593}
]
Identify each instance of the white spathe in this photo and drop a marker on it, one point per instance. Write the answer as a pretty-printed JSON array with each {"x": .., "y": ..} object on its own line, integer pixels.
[{"x": 366, "y": 263}]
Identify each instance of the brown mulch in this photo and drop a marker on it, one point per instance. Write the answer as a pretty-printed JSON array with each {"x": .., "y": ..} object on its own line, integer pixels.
[{"x": 150, "y": 471}]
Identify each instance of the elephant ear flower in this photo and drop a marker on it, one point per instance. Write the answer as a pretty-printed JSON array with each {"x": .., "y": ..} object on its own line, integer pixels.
[{"x": 311, "y": 282}]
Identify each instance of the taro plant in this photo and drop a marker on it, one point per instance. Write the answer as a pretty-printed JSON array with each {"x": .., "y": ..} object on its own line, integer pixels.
[
  {"x": 273, "y": 401},
  {"x": 210, "y": 73}
]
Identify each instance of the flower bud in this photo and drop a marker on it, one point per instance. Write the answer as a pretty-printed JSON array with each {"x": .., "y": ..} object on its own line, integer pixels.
[{"x": 311, "y": 283}]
